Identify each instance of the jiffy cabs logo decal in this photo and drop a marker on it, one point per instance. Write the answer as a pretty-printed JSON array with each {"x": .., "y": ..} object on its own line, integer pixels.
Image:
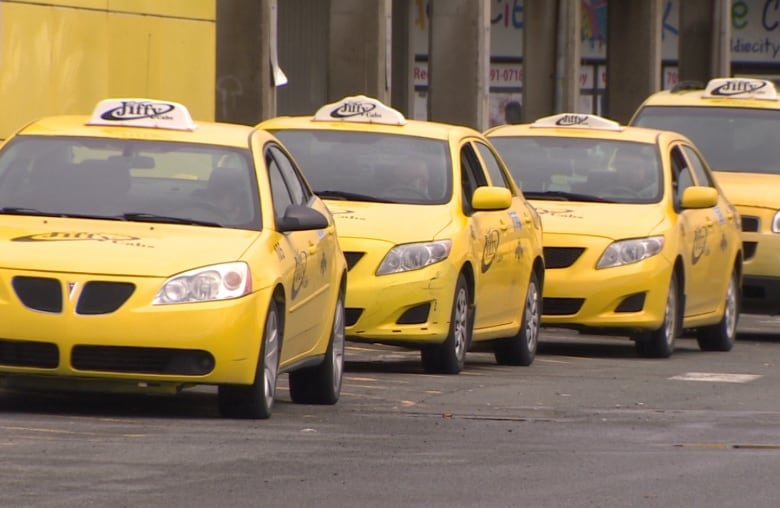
[
  {"x": 350, "y": 109},
  {"x": 572, "y": 120},
  {"x": 738, "y": 87},
  {"x": 131, "y": 110},
  {"x": 299, "y": 276},
  {"x": 699, "y": 244},
  {"x": 80, "y": 236},
  {"x": 490, "y": 250}
]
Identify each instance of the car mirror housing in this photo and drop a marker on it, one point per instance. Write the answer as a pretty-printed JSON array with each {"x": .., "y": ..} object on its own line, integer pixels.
[
  {"x": 699, "y": 197},
  {"x": 301, "y": 218},
  {"x": 491, "y": 198}
]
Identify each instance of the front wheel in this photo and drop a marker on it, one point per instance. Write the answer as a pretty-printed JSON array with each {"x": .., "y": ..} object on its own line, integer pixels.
[
  {"x": 521, "y": 349},
  {"x": 321, "y": 384},
  {"x": 660, "y": 343},
  {"x": 256, "y": 400},
  {"x": 721, "y": 336},
  {"x": 450, "y": 356}
]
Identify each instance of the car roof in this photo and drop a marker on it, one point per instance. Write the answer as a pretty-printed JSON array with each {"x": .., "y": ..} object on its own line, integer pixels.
[
  {"x": 365, "y": 114},
  {"x": 580, "y": 125},
  {"x": 719, "y": 92},
  {"x": 152, "y": 126}
]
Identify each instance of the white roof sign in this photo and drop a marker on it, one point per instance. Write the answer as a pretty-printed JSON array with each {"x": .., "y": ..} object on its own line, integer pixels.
[
  {"x": 577, "y": 121},
  {"x": 359, "y": 109},
  {"x": 741, "y": 88},
  {"x": 142, "y": 113}
]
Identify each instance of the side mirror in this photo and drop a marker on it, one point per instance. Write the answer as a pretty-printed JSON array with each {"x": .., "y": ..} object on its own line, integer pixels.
[
  {"x": 491, "y": 198},
  {"x": 301, "y": 218},
  {"x": 699, "y": 197}
]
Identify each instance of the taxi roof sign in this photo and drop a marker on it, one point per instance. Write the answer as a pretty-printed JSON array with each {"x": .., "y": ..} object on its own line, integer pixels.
[
  {"x": 577, "y": 121},
  {"x": 741, "y": 88},
  {"x": 359, "y": 109},
  {"x": 142, "y": 113}
]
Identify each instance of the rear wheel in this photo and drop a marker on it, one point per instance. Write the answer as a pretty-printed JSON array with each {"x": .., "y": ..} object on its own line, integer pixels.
[
  {"x": 521, "y": 349},
  {"x": 660, "y": 343},
  {"x": 256, "y": 400},
  {"x": 721, "y": 336},
  {"x": 450, "y": 356},
  {"x": 321, "y": 384}
]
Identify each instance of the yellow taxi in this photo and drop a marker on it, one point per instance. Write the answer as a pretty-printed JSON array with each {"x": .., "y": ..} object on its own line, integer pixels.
[
  {"x": 444, "y": 253},
  {"x": 145, "y": 252},
  {"x": 734, "y": 123},
  {"x": 639, "y": 240}
]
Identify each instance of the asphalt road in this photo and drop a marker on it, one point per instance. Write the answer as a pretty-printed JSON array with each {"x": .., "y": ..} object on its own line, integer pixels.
[{"x": 589, "y": 424}]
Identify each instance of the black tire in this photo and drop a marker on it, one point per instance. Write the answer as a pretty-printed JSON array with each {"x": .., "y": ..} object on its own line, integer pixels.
[
  {"x": 256, "y": 400},
  {"x": 521, "y": 349},
  {"x": 721, "y": 336},
  {"x": 660, "y": 343},
  {"x": 321, "y": 384},
  {"x": 450, "y": 356}
]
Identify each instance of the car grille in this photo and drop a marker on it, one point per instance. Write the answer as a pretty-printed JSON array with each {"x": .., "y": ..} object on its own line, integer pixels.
[
  {"x": 749, "y": 250},
  {"x": 143, "y": 360},
  {"x": 561, "y": 306},
  {"x": 353, "y": 258},
  {"x": 351, "y": 315},
  {"x": 750, "y": 224},
  {"x": 19, "y": 353},
  {"x": 46, "y": 295},
  {"x": 561, "y": 257}
]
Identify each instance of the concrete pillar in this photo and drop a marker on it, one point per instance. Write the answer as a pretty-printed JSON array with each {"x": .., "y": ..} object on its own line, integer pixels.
[
  {"x": 568, "y": 61},
  {"x": 244, "y": 89},
  {"x": 402, "y": 67},
  {"x": 703, "y": 50},
  {"x": 633, "y": 55},
  {"x": 540, "y": 19},
  {"x": 459, "y": 62},
  {"x": 359, "y": 60}
]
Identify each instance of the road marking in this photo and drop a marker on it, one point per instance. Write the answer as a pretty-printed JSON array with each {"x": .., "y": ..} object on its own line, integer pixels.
[{"x": 716, "y": 377}]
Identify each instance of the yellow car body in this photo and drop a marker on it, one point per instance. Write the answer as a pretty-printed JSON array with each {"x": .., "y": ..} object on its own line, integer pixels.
[
  {"x": 638, "y": 238},
  {"x": 734, "y": 123},
  {"x": 481, "y": 273},
  {"x": 118, "y": 274}
]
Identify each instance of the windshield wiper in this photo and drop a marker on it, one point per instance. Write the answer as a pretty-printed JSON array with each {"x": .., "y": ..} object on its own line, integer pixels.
[
  {"x": 166, "y": 219},
  {"x": 20, "y": 210},
  {"x": 565, "y": 196},
  {"x": 349, "y": 196}
]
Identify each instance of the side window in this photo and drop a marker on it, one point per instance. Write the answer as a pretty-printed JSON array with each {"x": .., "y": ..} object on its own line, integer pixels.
[
  {"x": 279, "y": 191},
  {"x": 471, "y": 175},
  {"x": 681, "y": 174},
  {"x": 299, "y": 192},
  {"x": 698, "y": 167},
  {"x": 497, "y": 176}
]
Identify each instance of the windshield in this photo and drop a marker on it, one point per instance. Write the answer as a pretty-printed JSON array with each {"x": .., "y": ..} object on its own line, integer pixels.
[
  {"x": 148, "y": 181},
  {"x": 582, "y": 169},
  {"x": 378, "y": 167},
  {"x": 731, "y": 139}
]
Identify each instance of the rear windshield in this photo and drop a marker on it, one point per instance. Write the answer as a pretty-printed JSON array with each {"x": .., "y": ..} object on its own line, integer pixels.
[
  {"x": 731, "y": 139},
  {"x": 378, "y": 167},
  {"x": 178, "y": 183}
]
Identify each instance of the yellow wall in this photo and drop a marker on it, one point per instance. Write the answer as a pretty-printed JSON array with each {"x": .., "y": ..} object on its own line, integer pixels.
[{"x": 62, "y": 56}]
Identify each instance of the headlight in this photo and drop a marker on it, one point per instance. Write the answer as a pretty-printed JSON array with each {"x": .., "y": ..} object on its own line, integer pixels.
[
  {"x": 626, "y": 252},
  {"x": 776, "y": 223},
  {"x": 218, "y": 282},
  {"x": 414, "y": 256}
]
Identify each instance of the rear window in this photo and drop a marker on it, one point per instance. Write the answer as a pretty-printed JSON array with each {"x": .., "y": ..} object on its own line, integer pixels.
[{"x": 731, "y": 139}]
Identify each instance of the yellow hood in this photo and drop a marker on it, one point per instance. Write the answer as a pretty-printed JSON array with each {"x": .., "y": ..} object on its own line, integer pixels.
[
  {"x": 760, "y": 190},
  {"x": 113, "y": 247},
  {"x": 605, "y": 220},
  {"x": 390, "y": 222}
]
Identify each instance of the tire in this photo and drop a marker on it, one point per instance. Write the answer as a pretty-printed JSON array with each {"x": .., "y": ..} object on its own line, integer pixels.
[
  {"x": 721, "y": 336},
  {"x": 521, "y": 349},
  {"x": 256, "y": 400},
  {"x": 321, "y": 384},
  {"x": 660, "y": 343},
  {"x": 450, "y": 356}
]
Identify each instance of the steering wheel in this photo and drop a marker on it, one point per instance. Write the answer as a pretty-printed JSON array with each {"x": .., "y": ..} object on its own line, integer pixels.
[
  {"x": 201, "y": 211},
  {"x": 405, "y": 192},
  {"x": 619, "y": 190}
]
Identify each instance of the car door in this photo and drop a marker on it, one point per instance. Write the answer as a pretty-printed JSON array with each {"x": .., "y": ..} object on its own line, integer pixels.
[
  {"x": 696, "y": 237},
  {"x": 492, "y": 251},
  {"x": 720, "y": 220},
  {"x": 308, "y": 280}
]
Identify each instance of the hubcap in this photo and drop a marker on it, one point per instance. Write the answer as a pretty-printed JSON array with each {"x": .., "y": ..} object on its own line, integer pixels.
[
  {"x": 532, "y": 317},
  {"x": 461, "y": 320},
  {"x": 338, "y": 345},
  {"x": 271, "y": 358},
  {"x": 670, "y": 316},
  {"x": 730, "y": 312}
]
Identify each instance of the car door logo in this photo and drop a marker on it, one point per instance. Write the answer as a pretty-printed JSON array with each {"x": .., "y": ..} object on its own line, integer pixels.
[
  {"x": 699, "y": 244},
  {"x": 490, "y": 250}
]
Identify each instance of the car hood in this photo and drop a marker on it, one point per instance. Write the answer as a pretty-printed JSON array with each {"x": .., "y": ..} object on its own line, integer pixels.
[
  {"x": 390, "y": 222},
  {"x": 750, "y": 189},
  {"x": 115, "y": 248},
  {"x": 605, "y": 220}
]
